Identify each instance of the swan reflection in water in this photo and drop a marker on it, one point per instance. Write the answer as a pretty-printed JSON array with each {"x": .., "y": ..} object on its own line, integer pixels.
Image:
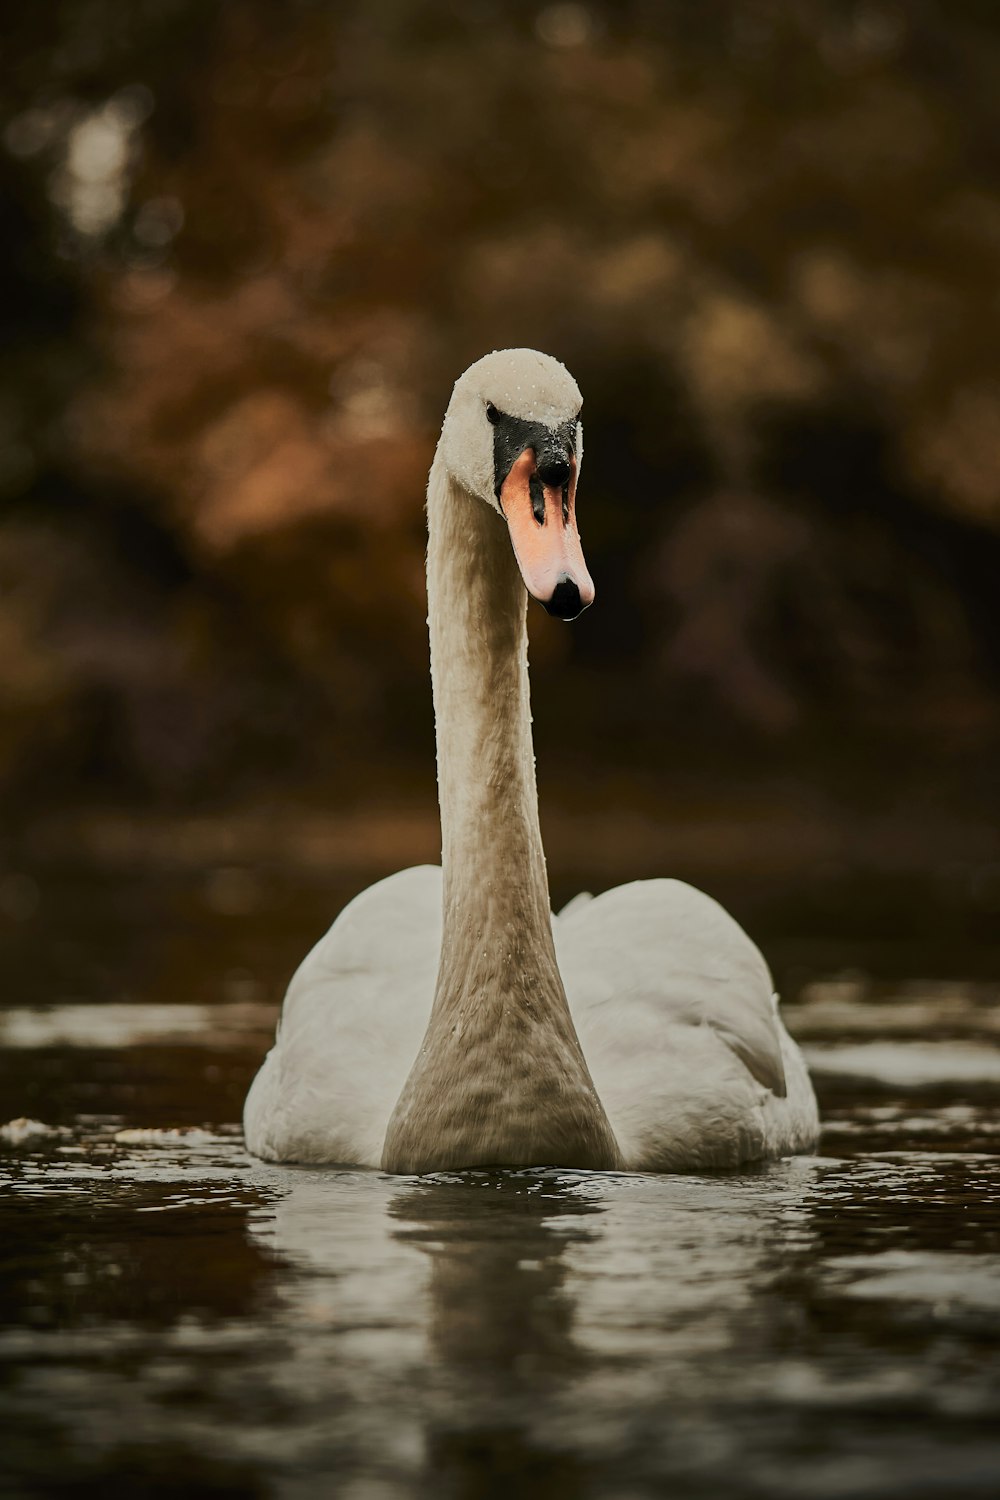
[
  {"x": 539, "y": 1326},
  {"x": 568, "y": 1333},
  {"x": 500, "y": 1324},
  {"x": 538, "y": 1332}
]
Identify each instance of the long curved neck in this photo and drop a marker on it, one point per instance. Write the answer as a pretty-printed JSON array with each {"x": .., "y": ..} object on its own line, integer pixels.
[
  {"x": 492, "y": 858},
  {"x": 500, "y": 1077}
]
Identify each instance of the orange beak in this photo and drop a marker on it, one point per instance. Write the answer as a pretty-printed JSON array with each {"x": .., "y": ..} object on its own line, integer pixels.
[{"x": 541, "y": 519}]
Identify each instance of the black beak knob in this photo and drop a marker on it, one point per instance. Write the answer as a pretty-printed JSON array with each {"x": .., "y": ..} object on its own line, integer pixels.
[
  {"x": 565, "y": 603},
  {"x": 553, "y": 470}
]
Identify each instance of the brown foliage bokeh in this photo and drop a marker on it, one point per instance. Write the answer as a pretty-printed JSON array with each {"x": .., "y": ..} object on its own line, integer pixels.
[{"x": 252, "y": 245}]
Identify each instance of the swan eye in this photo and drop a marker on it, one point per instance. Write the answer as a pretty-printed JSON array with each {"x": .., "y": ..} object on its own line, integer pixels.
[{"x": 492, "y": 415}]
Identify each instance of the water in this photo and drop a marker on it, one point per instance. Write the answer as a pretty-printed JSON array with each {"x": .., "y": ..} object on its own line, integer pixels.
[{"x": 179, "y": 1318}]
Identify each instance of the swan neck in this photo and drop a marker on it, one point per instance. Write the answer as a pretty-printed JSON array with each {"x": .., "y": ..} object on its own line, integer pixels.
[
  {"x": 500, "y": 1077},
  {"x": 491, "y": 841}
]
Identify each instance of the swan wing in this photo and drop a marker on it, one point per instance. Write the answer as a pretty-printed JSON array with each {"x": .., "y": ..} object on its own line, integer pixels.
[
  {"x": 663, "y": 945},
  {"x": 676, "y": 1014},
  {"x": 352, "y": 1022}
]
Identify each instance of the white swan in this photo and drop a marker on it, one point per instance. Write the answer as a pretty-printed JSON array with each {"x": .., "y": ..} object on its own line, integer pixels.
[{"x": 430, "y": 1028}]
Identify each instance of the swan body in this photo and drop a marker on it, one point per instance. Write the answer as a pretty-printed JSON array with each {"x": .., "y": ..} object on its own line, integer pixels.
[{"x": 447, "y": 1019}]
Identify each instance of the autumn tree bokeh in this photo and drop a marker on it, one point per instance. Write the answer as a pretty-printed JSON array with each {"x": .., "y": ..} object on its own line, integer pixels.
[{"x": 248, "y": 248}]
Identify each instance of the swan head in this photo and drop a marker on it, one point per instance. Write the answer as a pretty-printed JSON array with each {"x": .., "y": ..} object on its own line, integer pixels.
[{"x": 512, "y": 437}]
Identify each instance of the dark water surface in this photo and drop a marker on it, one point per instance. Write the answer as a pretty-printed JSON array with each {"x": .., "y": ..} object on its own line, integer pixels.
[{"x": 178, "y": 1318}]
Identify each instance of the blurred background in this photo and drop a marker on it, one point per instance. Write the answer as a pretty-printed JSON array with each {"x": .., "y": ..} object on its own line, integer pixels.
[{"x": 247, "y": 249}]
